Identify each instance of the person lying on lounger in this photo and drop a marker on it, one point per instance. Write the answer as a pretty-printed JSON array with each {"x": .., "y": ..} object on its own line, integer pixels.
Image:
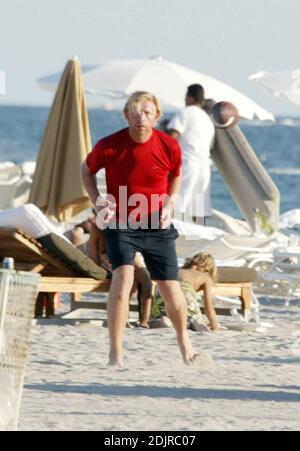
[{"x": 197, "y": 274}]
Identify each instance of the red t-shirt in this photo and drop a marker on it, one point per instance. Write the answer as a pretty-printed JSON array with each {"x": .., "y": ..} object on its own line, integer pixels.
[{"x": 142, "y": 168}]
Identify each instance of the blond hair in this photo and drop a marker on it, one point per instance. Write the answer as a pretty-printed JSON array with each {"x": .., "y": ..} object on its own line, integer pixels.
[
  {"x": 203, "y": 263},
  {"x": 140, "y": 96}
]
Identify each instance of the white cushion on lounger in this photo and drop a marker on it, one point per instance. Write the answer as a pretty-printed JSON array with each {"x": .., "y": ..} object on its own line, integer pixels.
[{"x": 29, "y": 219}]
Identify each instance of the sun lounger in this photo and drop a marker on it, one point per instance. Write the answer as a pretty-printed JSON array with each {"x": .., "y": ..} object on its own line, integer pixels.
[
  {"x": 73, "y": 273},
  {"x": 65, "y": 269},
  {"x": 235, "y": 289},
  {"x": 226, "y": 248},
  {"x": 282, "y": 278}
]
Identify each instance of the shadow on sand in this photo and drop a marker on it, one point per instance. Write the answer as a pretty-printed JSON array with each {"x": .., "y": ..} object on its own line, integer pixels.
[{"x": 153, "y": 391}]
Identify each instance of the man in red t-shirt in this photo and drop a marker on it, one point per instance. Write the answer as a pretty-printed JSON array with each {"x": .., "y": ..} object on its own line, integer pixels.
[{"x": 143, "y": 175}]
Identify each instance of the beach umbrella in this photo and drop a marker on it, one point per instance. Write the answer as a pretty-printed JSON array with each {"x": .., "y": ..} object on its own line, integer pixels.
[
  {"x": 167, "y": 80},
  {"x": 284, "y": 85},
  {"x": 57, "y": 188},
  {"x": 51, "y": 82},
  {"x": 2, "y": 83}
]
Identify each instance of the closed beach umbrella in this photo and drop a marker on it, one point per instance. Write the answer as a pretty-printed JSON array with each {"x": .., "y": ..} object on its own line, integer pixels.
[
  {"x": 284, "y": 85},
  {"x": 248, "y": 182},
  {"x": 57, "y": 188},
  {"x": 167, "y": 80}
]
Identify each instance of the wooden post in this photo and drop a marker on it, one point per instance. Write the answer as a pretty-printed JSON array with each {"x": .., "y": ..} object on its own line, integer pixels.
[
  {"x": 75, "y": 297},
  {"x": 246, "y": 300}
]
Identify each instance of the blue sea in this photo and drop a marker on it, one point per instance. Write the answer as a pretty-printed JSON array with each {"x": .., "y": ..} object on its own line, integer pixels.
[{"x": 277, "y": 146}]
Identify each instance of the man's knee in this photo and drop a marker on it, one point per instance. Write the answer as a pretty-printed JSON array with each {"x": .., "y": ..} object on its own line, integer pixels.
[
  {"x": 123, "y": 278},
  {"x": 168, "y": 287}
]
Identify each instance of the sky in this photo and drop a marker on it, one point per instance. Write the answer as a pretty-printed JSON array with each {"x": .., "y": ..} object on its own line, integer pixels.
[{"x": 227, "y": 39}]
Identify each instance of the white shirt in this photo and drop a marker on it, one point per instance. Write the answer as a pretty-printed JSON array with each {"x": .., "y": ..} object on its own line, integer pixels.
[{"x": 197, "y": 132}]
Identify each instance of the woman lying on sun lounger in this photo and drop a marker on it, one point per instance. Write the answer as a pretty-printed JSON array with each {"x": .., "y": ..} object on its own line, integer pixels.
[{"x": 197, "y": 274}]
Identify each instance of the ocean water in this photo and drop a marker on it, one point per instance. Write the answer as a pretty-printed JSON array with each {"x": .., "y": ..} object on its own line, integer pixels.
[{"x": 277, "y": 146}]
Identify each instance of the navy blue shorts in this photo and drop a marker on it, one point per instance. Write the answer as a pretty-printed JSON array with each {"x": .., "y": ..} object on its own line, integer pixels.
[{"x": 156, "y": 246}]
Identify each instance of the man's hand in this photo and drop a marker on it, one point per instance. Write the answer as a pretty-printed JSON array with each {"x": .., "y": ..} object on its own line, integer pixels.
[
  {"x": 166, "y": 215},
  {"x": 106, "y": 211}
]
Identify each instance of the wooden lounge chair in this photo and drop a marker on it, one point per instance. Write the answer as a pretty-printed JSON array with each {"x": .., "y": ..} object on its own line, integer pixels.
[{"x": 58, "y": 275}]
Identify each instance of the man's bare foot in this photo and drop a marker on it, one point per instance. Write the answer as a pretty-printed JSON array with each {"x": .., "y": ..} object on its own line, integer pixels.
[
  {"x": 187, "y": 351},
  {"x": 116, "y": 361},
  {"x": 203, "y": 360}
]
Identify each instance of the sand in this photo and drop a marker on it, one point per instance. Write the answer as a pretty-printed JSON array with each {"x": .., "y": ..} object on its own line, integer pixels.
[{"x": 254, "y": 385}]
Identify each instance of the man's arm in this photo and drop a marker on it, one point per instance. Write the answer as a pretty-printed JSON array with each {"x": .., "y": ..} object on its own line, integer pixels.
[
  {"x": 106, "y": 207},
  {"x": 174, "y": 187},
  {"x": 90, "y": 183},
  {"x": 168, "y": 209}
]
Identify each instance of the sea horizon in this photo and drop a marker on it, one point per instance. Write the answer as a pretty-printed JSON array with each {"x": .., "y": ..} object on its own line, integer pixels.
[
  {"x": 277, "y": 145},
  {"x": 49, "y": 104}
]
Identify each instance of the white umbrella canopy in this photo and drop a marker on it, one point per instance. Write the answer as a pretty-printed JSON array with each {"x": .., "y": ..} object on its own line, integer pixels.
[
  {"x": 284, "y": 84},
  {"x": 51, "y": 82},
  {"x": 167, "y": 80}
]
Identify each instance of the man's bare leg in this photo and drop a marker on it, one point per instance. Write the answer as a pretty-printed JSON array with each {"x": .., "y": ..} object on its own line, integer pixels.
[
  {"x": 117, "y": 311},
  {"x": 177, "y": 312}
]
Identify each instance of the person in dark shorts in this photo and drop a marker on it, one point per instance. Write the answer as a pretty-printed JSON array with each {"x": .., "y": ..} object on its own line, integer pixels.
[
  {"x": 143, "y": 176},
  {"x": 98, "y": 252}
]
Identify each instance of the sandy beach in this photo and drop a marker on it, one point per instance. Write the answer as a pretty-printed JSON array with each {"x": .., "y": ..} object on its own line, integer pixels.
[{"x": 255, "y": 385}]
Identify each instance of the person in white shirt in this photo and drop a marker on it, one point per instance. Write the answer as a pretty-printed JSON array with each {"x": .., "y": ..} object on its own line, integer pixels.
[{"x": 196, "y": 132}]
